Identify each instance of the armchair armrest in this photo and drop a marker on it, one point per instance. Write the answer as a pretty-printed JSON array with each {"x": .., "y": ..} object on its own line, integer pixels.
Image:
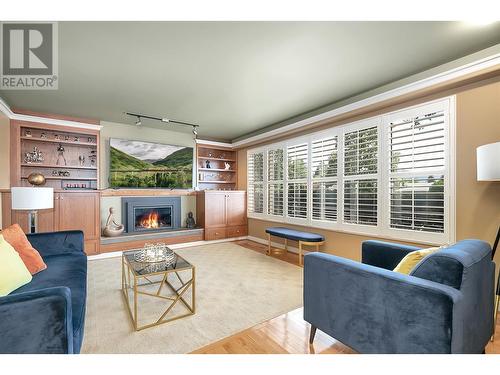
[
  {"x": 37, "y": 322},
  {"x": 384, "y": 254},
  {"x": 373, "y": 310},
  {"x": 55, "y": 243}
]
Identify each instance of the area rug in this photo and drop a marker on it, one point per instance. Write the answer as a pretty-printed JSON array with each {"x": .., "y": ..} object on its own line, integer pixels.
[{"x": 236, "y": 288}]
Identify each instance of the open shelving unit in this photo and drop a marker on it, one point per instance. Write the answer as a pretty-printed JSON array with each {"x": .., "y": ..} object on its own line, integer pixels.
[
  {"x": 216, "y": 168},
  {"x": 75, "y": 168}
]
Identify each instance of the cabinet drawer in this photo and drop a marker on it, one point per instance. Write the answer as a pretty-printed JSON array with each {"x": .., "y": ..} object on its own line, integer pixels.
[
  {"x": 215, "y": 234},
  {"x": 237, "y": 231}
]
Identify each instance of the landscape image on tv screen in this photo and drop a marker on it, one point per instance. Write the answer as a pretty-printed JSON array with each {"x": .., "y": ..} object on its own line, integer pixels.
[{"x": 137, "y": 164}]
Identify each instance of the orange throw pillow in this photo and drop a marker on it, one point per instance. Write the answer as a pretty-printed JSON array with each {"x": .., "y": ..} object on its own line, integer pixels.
[{"x": 18, "y": 240}]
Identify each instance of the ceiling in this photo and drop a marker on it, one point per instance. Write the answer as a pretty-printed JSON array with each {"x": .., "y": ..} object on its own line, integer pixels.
[{"x": 234, "y": 78}]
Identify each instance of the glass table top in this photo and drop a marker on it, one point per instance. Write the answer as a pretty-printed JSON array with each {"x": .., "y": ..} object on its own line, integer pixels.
[{"x": 147, "y": 268}]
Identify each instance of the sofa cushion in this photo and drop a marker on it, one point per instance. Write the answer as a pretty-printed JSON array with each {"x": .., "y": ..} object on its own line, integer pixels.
[
  {"x": 13, "y": 272},
  {"x": 31, "y": 258},
  {"x": 65, "y": 270},
  {"x": 410, "y": 260}
]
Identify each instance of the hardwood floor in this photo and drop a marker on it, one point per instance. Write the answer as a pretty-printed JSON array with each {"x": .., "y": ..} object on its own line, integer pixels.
[{"x": 288, "y": 333}]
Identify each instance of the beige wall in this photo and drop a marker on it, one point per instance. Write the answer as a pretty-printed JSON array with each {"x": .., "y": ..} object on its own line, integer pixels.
[
  {"x": 132, "y": 132},
  {"x": 478, "y": 203},
  {"x": 4, "y": 155}
]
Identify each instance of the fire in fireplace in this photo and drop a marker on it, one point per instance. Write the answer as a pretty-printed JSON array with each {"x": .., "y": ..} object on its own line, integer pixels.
[{"x": 153, "y": 218}]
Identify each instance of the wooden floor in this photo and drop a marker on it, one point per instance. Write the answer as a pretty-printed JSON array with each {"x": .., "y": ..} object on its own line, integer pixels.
[{"x": 288, "y": 333}]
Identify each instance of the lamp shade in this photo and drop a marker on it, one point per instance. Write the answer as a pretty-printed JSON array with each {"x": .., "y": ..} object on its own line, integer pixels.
[
  {"x": 32, "y": 198},
  {"x": 488, "y": 162}
]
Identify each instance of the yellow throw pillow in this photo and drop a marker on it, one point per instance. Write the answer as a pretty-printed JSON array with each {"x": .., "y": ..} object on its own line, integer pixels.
[
  {"x": 409, "y": 262},
  {"x": 13, "y": 272}
]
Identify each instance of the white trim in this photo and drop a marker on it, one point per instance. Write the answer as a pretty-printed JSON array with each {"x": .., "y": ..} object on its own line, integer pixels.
[
  {"x": 390, "y": 94},
  {"x": 115, "y": 254},
  {"x": 203, "y": 142},
  {"x": 45, "y": 120}
]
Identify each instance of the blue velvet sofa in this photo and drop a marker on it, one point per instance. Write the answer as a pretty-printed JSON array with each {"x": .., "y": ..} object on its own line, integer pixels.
[
  {"x": 444, "y": 306},
  {"x": 48, "y": 314}
]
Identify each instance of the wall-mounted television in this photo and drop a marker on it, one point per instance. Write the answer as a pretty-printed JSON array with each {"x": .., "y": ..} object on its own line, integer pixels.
[{"x": 138, "y": 164}]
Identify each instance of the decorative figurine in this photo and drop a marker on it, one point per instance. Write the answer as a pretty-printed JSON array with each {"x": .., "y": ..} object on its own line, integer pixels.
[
  {"x": 77, "y": 139},
  {"x": 66, "y": 138},
  {"x": 222, "y": 156},
  {"x": 60, "y": 154},
  {"x": 43, "y": 136},
  {"x": 190, "y": 223},
  {"x": 210, "y": 155},
  {"x": 57, "y": 137},
  {"x": 36, "y": 179},
  {"x": 112, "y": 229},
  {"x": 36, "y": 156},
  {"x": 227, "y": 166},
  {"x": 207, "y": 164},
  {"x": 90, "y": 140},
  {"x": 93, "y": 158},
  {"x": 81, "y": 160},
  {"x": 27, "y": 133}
]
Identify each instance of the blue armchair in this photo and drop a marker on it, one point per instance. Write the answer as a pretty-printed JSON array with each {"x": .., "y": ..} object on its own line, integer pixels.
[
  {"x": 48, "y": 314},
  {"x": 444, "y": 306}
]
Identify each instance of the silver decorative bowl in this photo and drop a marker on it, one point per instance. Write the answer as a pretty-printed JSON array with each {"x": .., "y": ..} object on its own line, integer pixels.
[{"x": 154, "y": 253}]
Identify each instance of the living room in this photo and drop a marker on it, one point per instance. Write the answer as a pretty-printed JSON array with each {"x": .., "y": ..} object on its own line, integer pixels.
[{"x": 214, "y": 187}]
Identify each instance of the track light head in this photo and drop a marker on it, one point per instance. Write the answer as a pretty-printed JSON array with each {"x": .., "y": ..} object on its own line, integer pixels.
[
  {"x": 138, "y": 122},
  {"x": 165, "y": 119},
  {"x": 195, "y": 131}
]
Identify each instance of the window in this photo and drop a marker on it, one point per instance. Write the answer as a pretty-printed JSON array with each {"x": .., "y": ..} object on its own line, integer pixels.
[
  {"x": 324, "y": 160},
  {"x": 417, "y": 172},
  {"x": 275, "y": 187},
  {"x": 360, "y": 176},
  {"x": 297, "y": 159},
  {"x": 256, "y": 182},
  {"x": 387, "y": 176}
]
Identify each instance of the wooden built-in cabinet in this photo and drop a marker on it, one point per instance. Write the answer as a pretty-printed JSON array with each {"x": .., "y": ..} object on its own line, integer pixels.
[
  {"x": 222, "y": 213},
  {"x": 72, "y": 211}
]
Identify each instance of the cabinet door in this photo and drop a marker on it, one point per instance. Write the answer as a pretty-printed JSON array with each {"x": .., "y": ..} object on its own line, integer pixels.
[
  {"x": 215, "y": 209},
  {"x": 236, "y": 208},
  {"x": 79, "y": 211}
]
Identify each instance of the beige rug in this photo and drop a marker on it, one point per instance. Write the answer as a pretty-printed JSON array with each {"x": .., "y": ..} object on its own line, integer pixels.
[{"x": 236, "y": 288}]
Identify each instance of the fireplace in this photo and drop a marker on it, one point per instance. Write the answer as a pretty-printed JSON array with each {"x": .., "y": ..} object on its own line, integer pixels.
[{"x": 151, "y": 214}]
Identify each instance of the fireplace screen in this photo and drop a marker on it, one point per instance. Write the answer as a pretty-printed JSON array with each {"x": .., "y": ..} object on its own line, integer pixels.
[{"x": 147, "y": 218}]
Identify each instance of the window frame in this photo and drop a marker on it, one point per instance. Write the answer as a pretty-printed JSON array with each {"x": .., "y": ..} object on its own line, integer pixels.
[{"x": 383, "y": 177}]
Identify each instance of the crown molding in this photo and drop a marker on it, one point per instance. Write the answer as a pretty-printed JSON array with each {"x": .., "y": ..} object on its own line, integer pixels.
[
  {"x": 214, "y": 143},
  {"x": 5, "y": 109},
  {"x": 424, "y": 83}
]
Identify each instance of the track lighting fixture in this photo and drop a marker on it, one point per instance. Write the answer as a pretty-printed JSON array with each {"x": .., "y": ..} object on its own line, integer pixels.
[
  {"x": 162, "y": 119},
  {"x": 195, "y": 132}
]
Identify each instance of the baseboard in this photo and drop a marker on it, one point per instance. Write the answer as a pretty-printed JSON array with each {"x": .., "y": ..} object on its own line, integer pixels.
[
  {"x": 115, "y": 254},
  {"x": 278, "y": 245}
]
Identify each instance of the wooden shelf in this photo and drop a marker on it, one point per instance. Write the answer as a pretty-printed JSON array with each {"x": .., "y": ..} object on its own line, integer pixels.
[
  {"x": 65, "y": 178},
  {"x": 216, "y": 170},
  {"x": 60, "y": 141},
  {"x": 217, "y": 182},
  {"x": 56, "y": 166},
  {"x": 217, "y": 159}
]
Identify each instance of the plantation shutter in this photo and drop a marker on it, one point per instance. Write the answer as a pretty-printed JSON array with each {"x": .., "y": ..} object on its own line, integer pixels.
[
  {"x": 255, "y": 192},
  {"x": 297, "y": 162},
  {"x": 275, "y": 178},
  {"x": 324, "y": 161},
  {"x": 360, "y": 190},
  {"x": 417, "y": 172}
]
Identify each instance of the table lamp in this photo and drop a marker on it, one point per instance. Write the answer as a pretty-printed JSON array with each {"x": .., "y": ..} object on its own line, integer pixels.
[
  {"x": 32, "y": 199},
  {"x": 488, "y": 169}
]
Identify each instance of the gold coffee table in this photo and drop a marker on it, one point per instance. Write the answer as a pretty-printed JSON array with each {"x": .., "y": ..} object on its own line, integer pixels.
[{"x": 174, "y": 279}]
